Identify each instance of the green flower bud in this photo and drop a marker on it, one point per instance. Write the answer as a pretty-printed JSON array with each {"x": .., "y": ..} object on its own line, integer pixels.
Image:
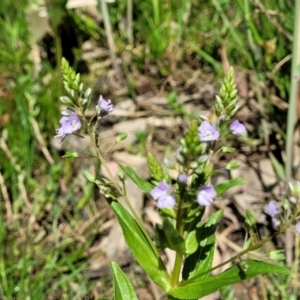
[
  {"x": 65, "y": 100},
  {"x": 87, "y": 93}
]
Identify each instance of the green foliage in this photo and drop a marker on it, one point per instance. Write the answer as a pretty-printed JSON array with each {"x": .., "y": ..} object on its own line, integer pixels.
[
  {"x": 226, "y": 185},
  {"x": 155, "y": 167},
  {"x": 168, "y": 237},
  {"x": 140, "y": 248},
  {"x": 201, "y": 248},
  {"x": 196, "y": 288},
  {"x": 123, "y": 287},
  {"x": 141, "y": 183}
]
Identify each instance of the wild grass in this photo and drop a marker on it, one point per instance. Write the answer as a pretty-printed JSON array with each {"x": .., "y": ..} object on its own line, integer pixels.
[{"x": 43, "y": 252}]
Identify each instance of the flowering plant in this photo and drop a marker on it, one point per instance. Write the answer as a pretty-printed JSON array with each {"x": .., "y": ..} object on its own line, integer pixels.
[{"x": 181, "y": 204}]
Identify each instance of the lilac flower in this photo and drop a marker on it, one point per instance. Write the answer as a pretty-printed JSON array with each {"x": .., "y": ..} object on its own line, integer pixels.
[
  {"x": 182, "y": 178},
  {"x": 205, "y": 195},
  {"x": 105, "y": 106},
  {"x": 208, "y": 132},
  {"x": 271, "y": 209},
  {"x": 237, "y": 128},
  {"x": 298, "y": 227},
  {"x": 69, "y": 122},
  {"x": 163, "y": 194}
]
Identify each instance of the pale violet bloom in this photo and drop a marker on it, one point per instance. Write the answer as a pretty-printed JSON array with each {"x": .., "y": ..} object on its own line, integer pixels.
[
  {"x": 237, "y": 128},
  {"x": 205, "y": 195},
  {"x": 293, "y": 200},
  {"x": 104, "y": 106},
  {"x": 69, "y": 122},
  {"x": 298, "y": 227},
  {"x": 182, "y": 178},
  {"x": 272, "y": 210},
  {"x": 208, "y": 132},
  {"x": 164, "y": 195}
]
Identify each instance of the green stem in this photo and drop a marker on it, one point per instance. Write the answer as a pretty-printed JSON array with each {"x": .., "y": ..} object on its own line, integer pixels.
[
  {"x": 237, "y": 256},
  {"x": 178, "y": 259},
  {"x": 109, "y": 35},
  {"x": 129, "y": 22},
  {"x": 293, "y": 90},
  {"x": 295, "y": 73},
  {"x": 176, "y": 269},
  {"x": 116, "y": 185}
]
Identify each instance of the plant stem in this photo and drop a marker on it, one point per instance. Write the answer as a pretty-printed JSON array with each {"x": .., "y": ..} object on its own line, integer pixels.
[
  {"x": 116, "y": 185},
  {"x": 129, "y": 22},
  {"x": 109, "y": 35},
  {"x": 293, "y": 91},
  {"x": 295, "y": 73},
  {"x": 178, "y": 259},
  {"x": 176, "y": 269}
]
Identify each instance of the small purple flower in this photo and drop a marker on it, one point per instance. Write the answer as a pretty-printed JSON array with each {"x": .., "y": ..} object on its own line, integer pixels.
[
  {"x": 298, "y": 227},
  {"x": 237, "y": 128},
  {"x": 182, "y": 178},
  {"x": 105, "y": 106},
  {"x": 205, "y": 195},
  {"x": 208, "y": 132},
  {"x": 272, "y": 210},
  {"x": 69, "y": 122},
  {"x": 163, "y": 194}
]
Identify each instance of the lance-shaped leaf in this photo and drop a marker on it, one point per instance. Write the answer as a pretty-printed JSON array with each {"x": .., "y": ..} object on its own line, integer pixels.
[
  {"x": 169, "y": 237},
  {"x": 144, "y": 253},
  {"x": 123, "y": 289},
  {"x": 141, "y": 183},
  {"x": 199, "y": 286},
  {"x": 200, "y": 258},
  {"x": 224, "y": 186}
]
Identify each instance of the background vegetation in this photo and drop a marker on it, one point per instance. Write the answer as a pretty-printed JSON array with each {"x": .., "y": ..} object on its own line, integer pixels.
[{"x": 45, "y": 242}]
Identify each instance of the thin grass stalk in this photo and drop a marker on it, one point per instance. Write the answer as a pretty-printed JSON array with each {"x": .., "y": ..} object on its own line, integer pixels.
[
  {"x": 109, "y": 35},
  {"x": 293, "y": 92},
  {"x": 295, "y": 76},
  {"x": 129, "y": 30}
]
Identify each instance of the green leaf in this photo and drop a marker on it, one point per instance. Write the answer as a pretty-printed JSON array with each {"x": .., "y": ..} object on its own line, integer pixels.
[
  {"x": 224, "y": 186},
  {"x": 195, "y": 288},
  {"x": 232, "y": 165},
  {"x": 279, "y": 168},
  {"x": 227, "y": 149},
  {"x": 121, "y": 137},
  {"x": 201, "y": 260},
  {"x": 141, "y": 183},
  {"x": 191, "y": 243},
  {"x": 70, "y": 154},
  {"x": 249, "y": 220},
  {"x": 143, "y": 252},
  {"x": 123, "y": 289},
  {"x": 168, "y": 237},
  {"x": 155, "y": 167}
]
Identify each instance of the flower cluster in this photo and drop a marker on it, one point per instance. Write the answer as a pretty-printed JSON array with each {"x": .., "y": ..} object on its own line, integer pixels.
[
  {"x": 208, "y": 132},
  {"x": 164, "y": 195},
  {"x": 274, "y": 212},
  {"x": 104, "y": 107},
  {"x": 205, "y": 195},
  {"x": 69, "y": 122}
]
